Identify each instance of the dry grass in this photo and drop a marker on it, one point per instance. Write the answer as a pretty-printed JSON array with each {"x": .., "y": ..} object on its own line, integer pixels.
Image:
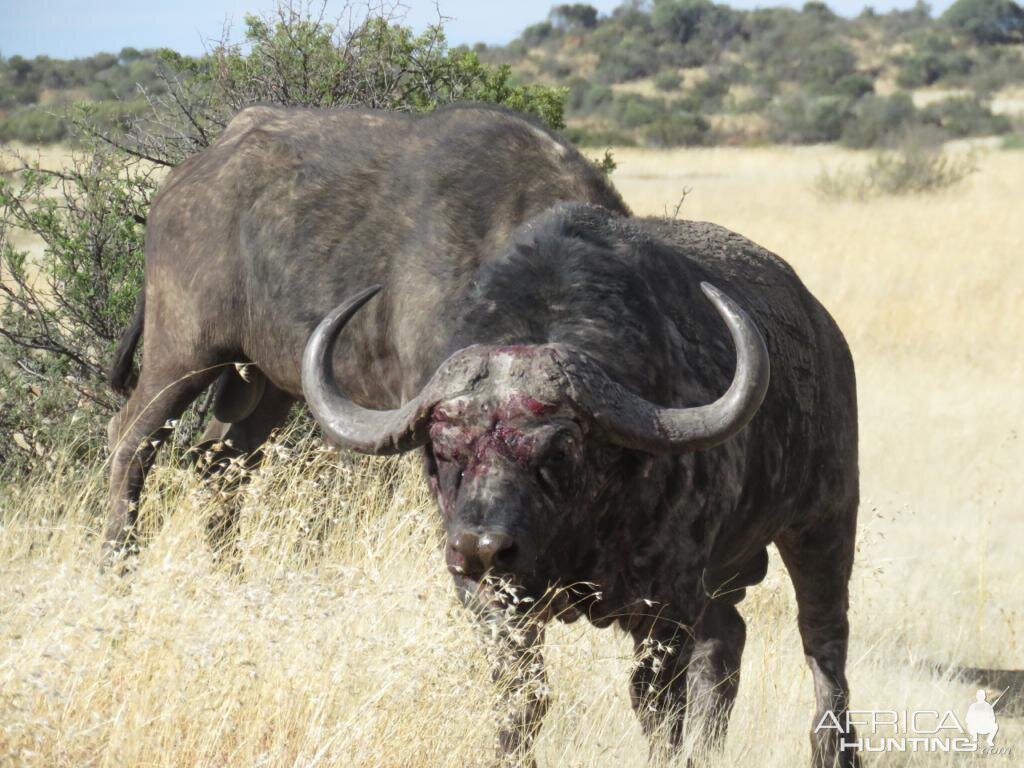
[{"x": 339, "y": 642}]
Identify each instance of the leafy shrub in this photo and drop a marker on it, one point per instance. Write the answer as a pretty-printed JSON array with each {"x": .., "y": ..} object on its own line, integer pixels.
[
  {"x": 710, "y": 90},
  {"x": 572, "y": 16},
  {"x": 825, "y": 64},
  {"x": 33, "y": 125},
  {"x": 853, "y": 86},
  {"x": 934, "y": 57},
  {"x": 876, "y": 120},
  {"x": 678, "y": 129},
  {"x": 897, "y": 23},
  {"x": 995, "y": 67},
  {"x": 629, "y": 58},
  {"x": 913, "y": 169},
  {"x": 631, "y": 110},
  {"x": 668, "y": 80},
  {"x": 802, "y": 119},
  {"x": 536, "y": 34},
  {"x": 695, "y": 21},
  {"x": 965, "y": 116},
  {"x": 987, "y": 21},
  {"x": 554, "y": 67},
  {"x": 41, "y": 125},
  {"x": 62, "y": 314},
  {"x": 596, "y": 96},
  {"x": 105, "y": 75},
  {"x": 599, "y": 137}
]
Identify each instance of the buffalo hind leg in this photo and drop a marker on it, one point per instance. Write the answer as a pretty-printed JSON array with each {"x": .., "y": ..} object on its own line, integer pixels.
[
  {"x": 135, "y": 435},
  {"x": 819, "y": 561},
  {"x": 713, "y": 677},
  {"x": 229, "y": 451}
]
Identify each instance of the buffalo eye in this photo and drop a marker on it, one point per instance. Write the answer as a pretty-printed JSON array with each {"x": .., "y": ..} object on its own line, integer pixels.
[
  {"x": 450, "y": 474},
  {"x": 555, "y": 469}
]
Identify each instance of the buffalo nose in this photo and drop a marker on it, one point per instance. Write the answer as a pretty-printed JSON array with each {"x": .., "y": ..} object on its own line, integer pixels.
[
  {"x": 475, "y": 553},
  {"x": 496, "y": 549}
]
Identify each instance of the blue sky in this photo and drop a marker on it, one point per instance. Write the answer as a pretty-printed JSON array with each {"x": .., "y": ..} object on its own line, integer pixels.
[{"x": 68, "y": 28}]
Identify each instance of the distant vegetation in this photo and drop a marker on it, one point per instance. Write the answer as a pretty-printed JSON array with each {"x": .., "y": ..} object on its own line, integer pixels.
[
  {"x": 665, "y": 73},
  {"x": 912, "y": 169},
  {"x": 690, "y": 72},
  {"x": 37, "y": 96}
]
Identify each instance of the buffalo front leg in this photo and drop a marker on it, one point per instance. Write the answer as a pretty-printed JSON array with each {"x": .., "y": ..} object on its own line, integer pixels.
[
  {"x": 519, "y": 672},
  {"x": 658, "y": 686},
  {"x": 517, "y": 668},
  {"x": 713, "y": 677},
  {"x": 819, "y": 562}
]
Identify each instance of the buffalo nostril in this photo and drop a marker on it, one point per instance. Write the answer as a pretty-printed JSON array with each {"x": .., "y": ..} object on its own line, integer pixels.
[
  {"x": 496, "y": 549},
  {"x": 465, "y": 543}
]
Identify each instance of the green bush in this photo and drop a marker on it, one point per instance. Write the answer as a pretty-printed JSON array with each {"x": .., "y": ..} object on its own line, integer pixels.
[
  {"x": 40, "y": 125},
  {"x": 710, "y": 90},
  {"x": 34, "y": 125},
  {"x": 596, "y": 96},
  {"x": 668, "y": 80},
  {"x": 913, "y": 169},
  {"x": 631, "y": 110},
  {"x": 554, "y": 67},
  {"x": 877, "y": 120},
  {"x": 676, "y": 130},
  {"x": 934, "y": 57},
  {"x": 965, "y": 116},
  {"x": 599, "y": 137},
  {"x": 574, "y": 16},
  {"x": 698, "y": 22},
  {"x": 802, "y": 119},
  {"x": 852, "y": 86},
  {"x": 630, "y": 58},
  {"x": 987, "y": 21},
  {"x": 537, "y": 34},
  {"x": 825, "y": 64},
  {"x": 62, "y": 314},
  {"x": 104, "y": 75},
  {"x": 994, "y": 69}
]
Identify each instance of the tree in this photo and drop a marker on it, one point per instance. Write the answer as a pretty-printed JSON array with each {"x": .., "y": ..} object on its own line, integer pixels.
[
  {"x": 987, "y": 21},
  {"x": 574, "y": 16},
  {"x": 690, "y": 22}
]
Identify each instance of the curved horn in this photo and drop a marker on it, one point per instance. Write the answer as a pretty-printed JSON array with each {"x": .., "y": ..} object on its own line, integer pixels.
[
  {"x": 637, "y": 423},
  {"x": 345, "y": 423}
]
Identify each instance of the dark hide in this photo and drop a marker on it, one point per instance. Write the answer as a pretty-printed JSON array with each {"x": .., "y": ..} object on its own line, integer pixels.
[{"x": 461, "y": 216}]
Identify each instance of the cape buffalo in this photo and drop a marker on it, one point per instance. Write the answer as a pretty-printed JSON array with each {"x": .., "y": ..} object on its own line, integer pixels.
[{"x": 590, "y": 390}]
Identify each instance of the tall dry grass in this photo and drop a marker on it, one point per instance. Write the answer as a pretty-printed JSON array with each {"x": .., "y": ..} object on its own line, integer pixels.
[{"x": 337, "y": 640}]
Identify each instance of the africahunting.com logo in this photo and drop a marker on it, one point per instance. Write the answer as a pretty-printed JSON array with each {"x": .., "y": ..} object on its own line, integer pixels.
[{"x": 919, "y": 730}]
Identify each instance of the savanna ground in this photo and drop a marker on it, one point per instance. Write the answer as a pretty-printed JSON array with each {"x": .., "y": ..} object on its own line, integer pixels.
[{"x": 338, "y": 641}]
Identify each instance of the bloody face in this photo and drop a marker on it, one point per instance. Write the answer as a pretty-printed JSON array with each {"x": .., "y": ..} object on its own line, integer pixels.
[{"x": 510, "y": 464}]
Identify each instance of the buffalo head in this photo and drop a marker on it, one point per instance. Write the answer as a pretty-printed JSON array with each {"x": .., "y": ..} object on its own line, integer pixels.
[{"x": 521, "y": 438}]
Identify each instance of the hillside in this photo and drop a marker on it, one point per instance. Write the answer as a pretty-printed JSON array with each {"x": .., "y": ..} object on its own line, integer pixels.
[
  {"x": 38, "y": 96},
  {"x": 674, "y": 72},
  {"x": 690, "y": 72}
]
